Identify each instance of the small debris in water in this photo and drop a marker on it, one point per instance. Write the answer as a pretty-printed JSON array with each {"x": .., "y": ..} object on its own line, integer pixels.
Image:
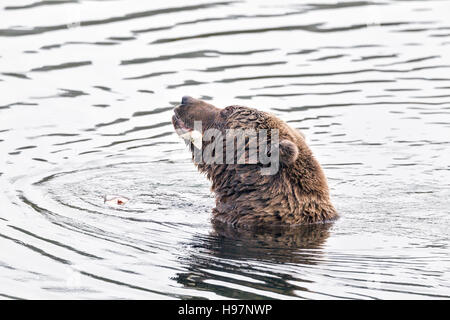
[{"x": 115, "y": 200}]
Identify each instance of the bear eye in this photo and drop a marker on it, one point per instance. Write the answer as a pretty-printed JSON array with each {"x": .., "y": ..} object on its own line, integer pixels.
[
  {"x": 224, "y": 113},
  {"x": 227, "y": 111}
]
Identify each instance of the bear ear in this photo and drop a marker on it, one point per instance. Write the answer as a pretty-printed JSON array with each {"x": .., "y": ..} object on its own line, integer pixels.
[{"x": 288, "y": 152}]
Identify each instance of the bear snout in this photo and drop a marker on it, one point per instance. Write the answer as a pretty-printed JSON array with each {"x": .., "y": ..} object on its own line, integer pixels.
[
  {"x": 187, "y": 100},
  {"x": 191, "y": 110}
]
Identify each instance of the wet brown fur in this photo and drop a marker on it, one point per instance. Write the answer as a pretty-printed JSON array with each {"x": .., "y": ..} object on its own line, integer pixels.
[{"x": 296, "y": 194}]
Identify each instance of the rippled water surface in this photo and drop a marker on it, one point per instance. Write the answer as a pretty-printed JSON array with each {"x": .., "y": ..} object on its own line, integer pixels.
[{"x": 87, "y": 91}]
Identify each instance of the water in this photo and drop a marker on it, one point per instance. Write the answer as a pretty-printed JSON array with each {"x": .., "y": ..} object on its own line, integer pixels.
[{"x": 87, "y": 89}]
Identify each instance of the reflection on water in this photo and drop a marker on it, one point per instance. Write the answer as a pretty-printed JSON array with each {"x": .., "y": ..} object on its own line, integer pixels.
[
  {"x": 88, "y": 89},
  {"x": 266, "y": 244},
  {"x": 237, "y": 270}
]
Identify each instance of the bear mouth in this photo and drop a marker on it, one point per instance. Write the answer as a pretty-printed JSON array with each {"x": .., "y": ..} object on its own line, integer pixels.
[{"x": 180, "y": 126}]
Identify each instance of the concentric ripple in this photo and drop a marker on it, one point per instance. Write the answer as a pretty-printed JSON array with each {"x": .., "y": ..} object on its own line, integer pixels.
[{"x": 157, "y": 191}]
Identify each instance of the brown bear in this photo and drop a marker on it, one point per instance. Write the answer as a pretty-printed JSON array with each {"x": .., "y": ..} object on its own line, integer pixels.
[{"x": 294, "y": 192}]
